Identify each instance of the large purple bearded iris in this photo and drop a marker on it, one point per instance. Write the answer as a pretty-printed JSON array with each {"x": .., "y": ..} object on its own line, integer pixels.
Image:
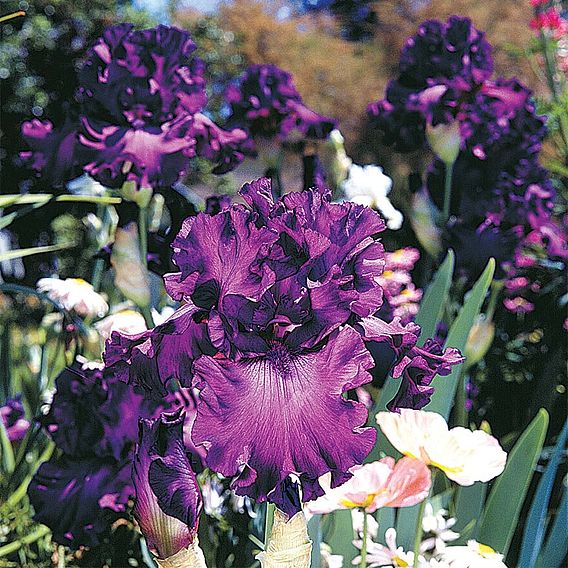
[
  {"x": 279, "y": 301},
  {"x": 141, "y": 93}
]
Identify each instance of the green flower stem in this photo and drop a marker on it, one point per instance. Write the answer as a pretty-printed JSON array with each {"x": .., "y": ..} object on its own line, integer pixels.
[
  {"x": 447, "y": 192},
  {"x": 28, "y": 539},
  {"x": 418, "y": 534},
  {"x": 461, "y": 413},
  {"x": 143, "y": 234},
  {"x": 363, "y": 563},
  {"x": 143, "y": 242},
  {"x": 496, "y": 287},
  {"x": 269, "y": 521}
]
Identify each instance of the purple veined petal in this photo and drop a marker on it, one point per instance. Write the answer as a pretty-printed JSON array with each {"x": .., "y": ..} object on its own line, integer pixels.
[
  {"x": 69, "y": 496},
  {"x": 168, "y": 501},
  {"x": 156, "y": 155},
  {"x": 264, "y": 418},
  {"x": 153, "y": 358},
  {"x": 219, "y": 256}
]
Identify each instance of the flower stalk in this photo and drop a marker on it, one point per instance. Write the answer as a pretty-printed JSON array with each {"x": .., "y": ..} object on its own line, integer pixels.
[
  {"x": 363, "y": 563},
  {"x": 418, "y": 534},
  {"x": 449, "y": 167}
]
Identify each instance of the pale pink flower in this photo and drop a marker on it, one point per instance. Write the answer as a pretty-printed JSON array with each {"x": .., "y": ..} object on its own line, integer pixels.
[
  {"x": 74, "y": 294},
  {"x": 464, "y": 456},
  {"x": 402, "y": 259},
  {"x": 378, "y": 484}
]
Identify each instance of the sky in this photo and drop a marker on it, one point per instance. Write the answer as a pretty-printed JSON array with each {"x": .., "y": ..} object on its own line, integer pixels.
[{"x": 158, "y": 9}]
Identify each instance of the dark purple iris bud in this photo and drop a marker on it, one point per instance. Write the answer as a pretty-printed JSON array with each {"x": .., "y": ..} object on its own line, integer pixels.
[
  {"x": 267, "y": 103},
  {"x": 13, "y": 416},
  {"x": 284, "y": 293},
  {"x": 78, "y": 498},
  {"x": 168, "y": 500}
]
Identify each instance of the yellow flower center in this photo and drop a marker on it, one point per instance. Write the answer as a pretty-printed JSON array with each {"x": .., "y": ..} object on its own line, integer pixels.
[
  {"x": 485, "y": 551},
  {"x": 398, "y": 561},
  {"x": 387, "y": 273},
  {"x": 80, "y": 282}
]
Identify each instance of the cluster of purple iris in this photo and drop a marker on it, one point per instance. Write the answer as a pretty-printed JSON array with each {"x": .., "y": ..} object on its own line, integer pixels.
[{"x": 502, "y": 198}]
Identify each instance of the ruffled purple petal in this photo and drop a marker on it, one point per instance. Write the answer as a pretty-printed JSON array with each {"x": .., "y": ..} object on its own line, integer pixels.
[
  {"x": 417, "y": 369},
  {"x": 219, "y": 256},
  {"x": 224, "y": 148},
  {"x": 154, "y": 358},
  {"x": 92, "y": 413},
  {"x": 53, "y": 152},
  {"x": 168, "y": 501},
  {"x": 264, "y": 418}
]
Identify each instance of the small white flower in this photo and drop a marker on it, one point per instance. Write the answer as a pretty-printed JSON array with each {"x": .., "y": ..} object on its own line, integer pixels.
[
  {"x": 328, "y": 559},
  {"x": 474, "y": 555},
  {"x": 390, "y": 555},
  {"x": 439, "y": 527},
  {"x": 74, "y": 294},
  {"x": 125, "y": 321},
  {"x": 368, "y": 185}
]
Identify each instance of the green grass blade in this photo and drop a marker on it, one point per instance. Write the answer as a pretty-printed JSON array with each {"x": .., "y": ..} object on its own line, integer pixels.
[
  {"x": 503, "y": 507},
  {"x": 19, "y": 253}
]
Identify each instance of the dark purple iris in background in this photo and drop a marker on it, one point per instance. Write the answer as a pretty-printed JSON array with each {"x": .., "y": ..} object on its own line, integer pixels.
[
  {"x": 267, "y": 103},
  {"x": 141, "y": 95}
]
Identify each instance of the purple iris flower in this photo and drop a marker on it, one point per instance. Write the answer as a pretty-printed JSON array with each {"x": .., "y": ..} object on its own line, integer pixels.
[
  {"x": 279, "y": 301},
  {"x": 439, "y": 65},
  {"x": 140, "y": 95},
  {"x": 266, "y": 101}
]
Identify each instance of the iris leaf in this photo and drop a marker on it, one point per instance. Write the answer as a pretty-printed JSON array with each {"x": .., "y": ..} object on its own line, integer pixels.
[{"x": 501, "y": 513}]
